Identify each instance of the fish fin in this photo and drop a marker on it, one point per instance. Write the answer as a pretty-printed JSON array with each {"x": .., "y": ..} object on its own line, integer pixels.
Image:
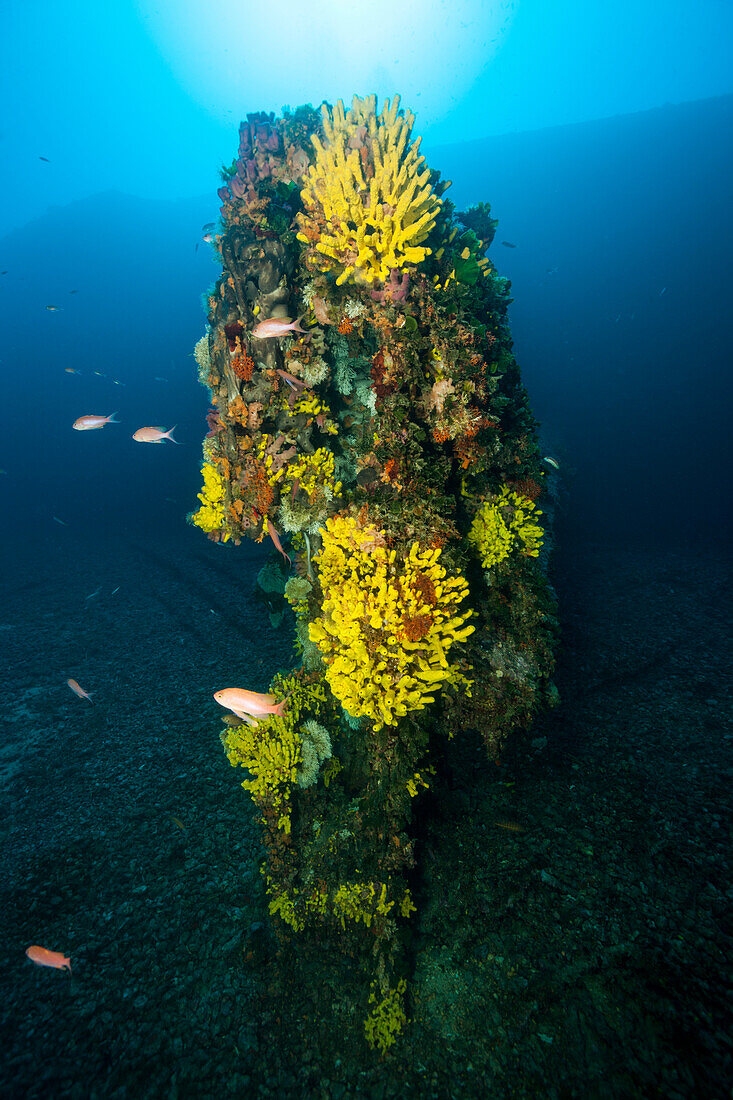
[
  {"x": 111, "y": 419},
  {"x": 280, "y": 708},
  {"x": 246, "y": 717},
  {"x": 169, "y": 436}
]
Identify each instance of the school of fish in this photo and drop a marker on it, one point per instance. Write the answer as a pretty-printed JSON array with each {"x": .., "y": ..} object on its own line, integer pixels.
[{"x": 250, "y": 706}]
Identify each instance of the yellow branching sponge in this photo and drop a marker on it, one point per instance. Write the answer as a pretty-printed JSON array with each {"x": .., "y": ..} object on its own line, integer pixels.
[
  {"x": 311, "y": 405},
  {"x": 211, "y": 516},
  {"x": 387, "y": 624},
  {"x": 312, "y": 472},
  {"x": 504, "y": 523},
  {"x": 387, "y": 1019},
  {"x": 351, "y": 903},
  {"x": 359, "y": 901},
  {"x": 271, "y": 752},
  {"x": 369, "y": 204}
]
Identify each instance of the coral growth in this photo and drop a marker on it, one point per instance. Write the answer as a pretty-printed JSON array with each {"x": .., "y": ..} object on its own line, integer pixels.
[
  {"x": 396, "y": 290},
  {"x": 272, "y": 756},
  {"x": 211, "y": 516},
  {"x": 315, "y": 750},
  {"x": 387, "y": 624},
  {"x": 387, "y": 1019},
  {"x": 369, "y": 203},
  {"x": 243, "y": 365},
  {"x": 504, "y": 523}
]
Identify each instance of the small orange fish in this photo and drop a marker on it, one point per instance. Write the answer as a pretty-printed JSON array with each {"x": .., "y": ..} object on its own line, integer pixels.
[
  {"x": 43, "y": 957},
  {"x": 70, "y": 370},
  {"x": 79, "y": 690},
  {"x": 89, "y": 423},
  {"x": 178, "y": 823},
  {"x": 510, "y": 826},
  {"x": 249, "y": 704},
  {"x": 154, "y": 435},
  {"x": 276, "y": 326}
]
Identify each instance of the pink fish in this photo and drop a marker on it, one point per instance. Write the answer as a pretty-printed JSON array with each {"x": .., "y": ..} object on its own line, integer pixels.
[
  {"x": 276, "y": 539},
  {"x": 291, "y": 380},
  {"x": 43, "y": 957},
  {"x": 276, "y": 326},
  {"x": 89, "y": 423},
  {"x": 249, "y": 704},
  {"x": 154, "y": 435},
  {"x": 79, "y": 690}
]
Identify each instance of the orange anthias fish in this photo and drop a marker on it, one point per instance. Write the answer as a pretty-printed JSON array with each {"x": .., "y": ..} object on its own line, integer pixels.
[
  {"x": 43, "y": 957},
  {"x": 292, "y": 381},
  {"x": 89, "y": 423},
  {"x": 276, "y": 540},
  {"x": 154, "y": 435},
  {"x": 249, "y": 704},
  {"x": 276, "y": 326},
  {"x": 79, "y": 690}
]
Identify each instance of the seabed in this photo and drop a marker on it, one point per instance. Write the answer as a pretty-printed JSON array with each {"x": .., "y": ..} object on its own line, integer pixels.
[{"x": 569, "y": 931}]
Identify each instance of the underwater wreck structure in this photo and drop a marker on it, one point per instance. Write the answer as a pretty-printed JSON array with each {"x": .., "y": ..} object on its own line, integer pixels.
[{"x": 386, "y": 440}]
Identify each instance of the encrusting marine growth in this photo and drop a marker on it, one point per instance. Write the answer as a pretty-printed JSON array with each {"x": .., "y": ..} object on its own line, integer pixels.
[
  {"x": 387, "y": 436},
  {"x": 368, "y": 200},
  {"x": 386, "y": 627},
  {"x": 504, "y": 523}
]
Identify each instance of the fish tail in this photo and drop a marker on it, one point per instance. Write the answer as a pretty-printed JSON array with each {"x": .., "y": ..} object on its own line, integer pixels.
[
  {"x": 168, "y": 435},
  {"x": 279, "y": 710},
  {"x": 111, "y": 419}
]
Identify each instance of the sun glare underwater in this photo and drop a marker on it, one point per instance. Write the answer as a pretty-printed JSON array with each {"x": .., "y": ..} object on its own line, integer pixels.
[{"x": 366, "y": 549}]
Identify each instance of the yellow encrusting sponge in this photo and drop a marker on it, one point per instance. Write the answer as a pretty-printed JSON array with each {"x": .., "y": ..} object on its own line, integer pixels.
[
  {"x": 387, "y": 624},
  {"x": 504, "y": 523},
  {"x": 211, "y": 516}
]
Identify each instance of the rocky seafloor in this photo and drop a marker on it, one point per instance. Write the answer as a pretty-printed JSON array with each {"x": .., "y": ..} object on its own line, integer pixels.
[{"x": 571, "y": 935}]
